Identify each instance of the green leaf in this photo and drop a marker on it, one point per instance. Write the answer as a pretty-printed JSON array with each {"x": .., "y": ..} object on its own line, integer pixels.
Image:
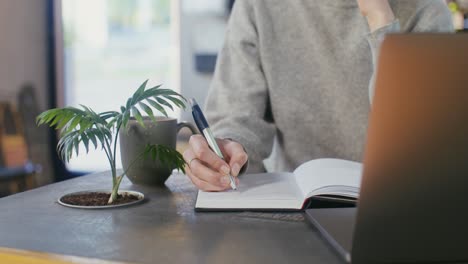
[
  {"x": 116, "y": 121},
  {"x": 85, "y": 140},
  {"x": 71, "y": 124},
  {"x": 165, "y": 103},
  {"x": 69, "y": 118},
  {"x": 140, "y": 90},
  {"x": 166, "y": 155},
  {"x": 76, "y": 145},
  {"x": 156, "y": 87},
  {"x": 88, "y": 110},
  {"x": 92, "y": 137},
  {"x": 176, "y": 101},
  {"x": 108, "y": 114},
  {"x": 70, "y": 142},
  {"x": 106, "y": 134},
  {"x": 69, "y": 152},
  {"x": 101, "y": 138},
  {"x": 167, "y": 92},
  {"x": 46, "y": 116},
  {"x": 157, "y": 106},
  {"x": 128, "y": 104},
  {"x": 67, "y": 144},
  {"x": 63, "y": 119},
  {"x": 126, "y": 117},
  {"x": 53, "y": 122},
  {"x": 85, "y": 124},
  {"x": 151, "y": 92},
  {"x": 138, "y": 116},
  {"x": 148, "y": 110},
  {"x": 60, "y": 144},
  {"x": 75, "y": 123},
  {"x": 111, "y": 123}
]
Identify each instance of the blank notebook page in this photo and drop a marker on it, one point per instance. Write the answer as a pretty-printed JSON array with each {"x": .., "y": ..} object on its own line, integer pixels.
[{"x": 274, "y": 190}]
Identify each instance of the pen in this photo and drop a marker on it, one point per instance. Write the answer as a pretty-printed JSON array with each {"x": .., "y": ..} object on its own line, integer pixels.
[{"x": 204, "y": 128}]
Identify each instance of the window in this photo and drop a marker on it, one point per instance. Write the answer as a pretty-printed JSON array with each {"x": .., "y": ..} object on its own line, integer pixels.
[{"x": 109, "y": 48}]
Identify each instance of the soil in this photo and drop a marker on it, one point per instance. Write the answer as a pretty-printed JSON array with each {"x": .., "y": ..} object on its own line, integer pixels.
[{"x": 96, "y": 199}]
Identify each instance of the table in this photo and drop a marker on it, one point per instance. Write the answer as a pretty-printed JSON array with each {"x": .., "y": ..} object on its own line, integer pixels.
[{"x": 163, "y": 229}]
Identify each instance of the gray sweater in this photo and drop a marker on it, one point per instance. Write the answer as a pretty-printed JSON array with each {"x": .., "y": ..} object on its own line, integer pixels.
[{"x": 301, "y": 70}]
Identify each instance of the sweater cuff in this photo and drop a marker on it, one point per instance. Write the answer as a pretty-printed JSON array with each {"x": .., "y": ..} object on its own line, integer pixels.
[{"x": 376, "y": 37}]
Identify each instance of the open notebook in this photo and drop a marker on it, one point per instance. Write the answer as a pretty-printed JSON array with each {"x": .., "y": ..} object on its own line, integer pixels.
[{"x": 324, "y": 179}]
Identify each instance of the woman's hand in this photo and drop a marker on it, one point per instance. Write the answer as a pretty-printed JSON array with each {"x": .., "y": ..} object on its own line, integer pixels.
[
  {"x": 208, "y": 171},
  {"x": 378, "y": 13}
]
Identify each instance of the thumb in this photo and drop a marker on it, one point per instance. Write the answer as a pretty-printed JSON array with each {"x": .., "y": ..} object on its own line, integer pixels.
[{"x": 237, "y": 155}]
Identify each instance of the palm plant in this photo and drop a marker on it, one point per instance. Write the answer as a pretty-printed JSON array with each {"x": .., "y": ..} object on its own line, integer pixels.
[{"x": 85, "y": 126}]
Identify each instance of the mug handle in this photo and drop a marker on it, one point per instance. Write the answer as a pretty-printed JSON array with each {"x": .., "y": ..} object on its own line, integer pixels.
[{"x": 187, "y": 125}]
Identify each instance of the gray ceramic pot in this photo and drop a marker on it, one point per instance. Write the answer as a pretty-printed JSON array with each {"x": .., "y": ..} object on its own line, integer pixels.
[{"x": 133, "y": 141}]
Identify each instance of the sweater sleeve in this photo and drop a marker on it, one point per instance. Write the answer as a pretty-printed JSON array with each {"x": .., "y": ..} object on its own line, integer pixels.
[
  {"x": 434, "y": 16},
  {"x": 238, "y": 97}
]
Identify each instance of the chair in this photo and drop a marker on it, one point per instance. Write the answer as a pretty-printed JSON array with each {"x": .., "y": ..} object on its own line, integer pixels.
[
  {"x": 16, "y": 171},
  {"x": 41, "y": 149}
]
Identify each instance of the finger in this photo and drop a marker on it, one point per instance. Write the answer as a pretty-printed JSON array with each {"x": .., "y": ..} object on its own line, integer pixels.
[
  {"x": 200, "y": 170},
  {"x": 188, "y": 156},
  {"x": 237, "y": 156},
  {"x": 200, "y": 184},
  {"x": 204, "y": 153}
]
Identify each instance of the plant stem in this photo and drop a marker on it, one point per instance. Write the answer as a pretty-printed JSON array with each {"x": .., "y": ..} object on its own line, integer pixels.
[
  {"x": 116, "y": 184},
  {"x": 110, "y": 159},
  {"x": 115, "y": 189},
  {"x": 114, "y": 169}
]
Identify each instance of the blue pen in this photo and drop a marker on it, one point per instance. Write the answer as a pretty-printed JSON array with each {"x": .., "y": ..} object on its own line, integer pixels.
[{"x": 204, "y": 128}]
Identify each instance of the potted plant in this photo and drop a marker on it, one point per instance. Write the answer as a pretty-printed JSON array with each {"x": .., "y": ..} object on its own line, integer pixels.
[{"x": 88, "y": 128}]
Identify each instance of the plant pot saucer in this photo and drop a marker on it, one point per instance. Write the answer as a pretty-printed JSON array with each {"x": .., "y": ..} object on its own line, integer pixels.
[{"x": 139, "y": 197}]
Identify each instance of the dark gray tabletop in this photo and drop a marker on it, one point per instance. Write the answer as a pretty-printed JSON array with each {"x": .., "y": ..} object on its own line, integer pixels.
[{"x": 164, "y": 229}]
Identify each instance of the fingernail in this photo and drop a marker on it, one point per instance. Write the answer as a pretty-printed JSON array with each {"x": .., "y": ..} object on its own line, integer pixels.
[
  {"x": 225, "y": 169},
  {"x": 235, "y": 169},
  {"x": 225, "y": 180}
]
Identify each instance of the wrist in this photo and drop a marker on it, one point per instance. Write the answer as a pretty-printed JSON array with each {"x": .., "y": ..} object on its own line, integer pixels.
[{"x": 380, "y": 18}]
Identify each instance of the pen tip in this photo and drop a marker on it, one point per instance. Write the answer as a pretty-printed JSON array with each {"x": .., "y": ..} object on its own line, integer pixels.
[
  {"x": 233, "y": 185},
  {"x": 192, "y": 102}
]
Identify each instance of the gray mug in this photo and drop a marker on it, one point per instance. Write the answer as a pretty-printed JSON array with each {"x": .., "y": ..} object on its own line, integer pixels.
[{"x": 133, "y": 141}]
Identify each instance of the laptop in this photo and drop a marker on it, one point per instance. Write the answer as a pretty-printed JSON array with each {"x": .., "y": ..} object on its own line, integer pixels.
[{"x": 413, "y": 205}]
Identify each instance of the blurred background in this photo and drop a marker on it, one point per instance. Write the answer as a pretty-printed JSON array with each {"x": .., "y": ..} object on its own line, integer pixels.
[{"x": 56, "y": 53}]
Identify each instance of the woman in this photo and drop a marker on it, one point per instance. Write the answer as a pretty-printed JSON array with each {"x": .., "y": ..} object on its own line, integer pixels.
[{"x": 300, "y": 71}]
